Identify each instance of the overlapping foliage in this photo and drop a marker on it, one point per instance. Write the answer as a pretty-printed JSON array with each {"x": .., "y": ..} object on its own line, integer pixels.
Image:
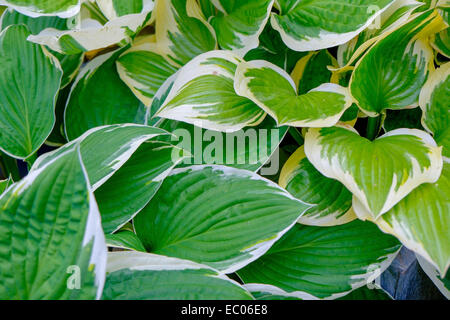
[{"x": 107, "y": 101}]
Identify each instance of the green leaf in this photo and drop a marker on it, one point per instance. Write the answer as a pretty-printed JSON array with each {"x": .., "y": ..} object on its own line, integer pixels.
[
  {"x": 216, "y": 204},
  {"x": 144, "y": 276},
  {"x": 433, "y": 101},
  {"x": 130, "y": 188},
  {"x": 104, "y": 150},
  {"x": 29, "y": 82},
  {"x": 144, "y": 69},
  {"x": 324, "y": 262},
  {"x": 379, "y": 173},
  {"x": 35, "y": 25},
  {"x": 36, "y": 8},
  {"x": 125, "y": 239},
  {"x": 182, "y": 32},
  {"x": 203, "y": 95},
  {"x": 238, "y": 24},
  {"x": 441, "y": 40},
  {"x": 318, "y": 24},
  {"x": 407, "y": 118},
  {"x": 365, "y": 293},
  {"x": 422, "y": 219},
  {"x": 442, "y": 283},
  {"x": 113, "y": 9},
  {"x": 51, "y": 242},
  {"x": 268, "y": 292},
  {"x": 99, "y": 97},
  {"x": 406, "y": 61},
  {"x": 4, "y": 184},
  {"x": 332, "y": 201},
  {"x": 272, "y": 89}
]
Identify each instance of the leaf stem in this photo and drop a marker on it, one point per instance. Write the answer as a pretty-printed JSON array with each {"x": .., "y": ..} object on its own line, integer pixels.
[
  {"x": 9, "y": 165},
  {"x": 373, "y": 127},
  {"x": 296, "y": 135}
]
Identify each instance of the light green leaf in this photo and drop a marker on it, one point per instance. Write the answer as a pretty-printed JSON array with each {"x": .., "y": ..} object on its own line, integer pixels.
[
  {"x": 144, "y": 69},
  {"x": 92, "y": 34},
  {"x": 104, "y": 150},
  {"x": 379, "y": 173},
  {"x": 37, "y": 8},
  {"x": 216, "y": 204},
  {"x": 203, "y": 95},
  {"x": 326, "y": 262},
  {"x": 275, "y": 92},
  {"x": 332, "y": 201},
  {"x": 434, "y": 102},
  {"x": 29, "y": 82},
  {"x": 51, "y": 242},
  {"x": 144, "y": 276},
  {"x": 124, "y": 239},
  {"x": 441, "y": 40},
  {"x": 421, "y": 221},
  {"x": 318, "y": 24},
  {"x": 238, "y": 24},
  {"x": 406, "y": 61},
  {"x": 182, "y": 32},
  {"x": 130, "y": 188},
  {"x": 99, "y": 97},
  {"x": 4, "y": 184},
  {"x": 113, "y": 9},
  {"x": 442, "y": 283}
]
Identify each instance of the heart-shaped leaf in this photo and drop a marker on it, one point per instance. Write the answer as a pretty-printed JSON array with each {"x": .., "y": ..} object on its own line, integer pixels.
[
  {"x": 28, "y": 97},
  {"x": 272, "y": 89},
  {"x": 326, "y": 262},
  {"x": 379, "y": 173},
  {"x": 51, "y": 242},
  {"x": 332, "y": 201},
  {"x": 249, "y": 219}
]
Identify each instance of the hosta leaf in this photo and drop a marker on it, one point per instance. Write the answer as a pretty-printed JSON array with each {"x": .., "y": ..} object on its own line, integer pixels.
[
  {"x": 92, "y": 34},
  {"x": 406, "y": 61},
  {"x": 125, "y": 239},
  {"x": 275, "y": 92},
  {"x": 268, "y": 292},
  {"x": 28, "y": 97},
  {"x": 181, "y": 30},
  {"x": 36, "y": 8},
  {"x": 406, "y": 118},
  {"x": 144, "y": 69},
  {"x": 379, "y": 173},
  {"x": 238, "y": 24},
  {"x": 113, "y": 9},
  {"x": 249, "y": 219},
  {"x": 203, "y": 95},
  {"x": 99, "y": 97},
  {"x": 35, "y": 25},
  {"x": 319, "y": 24},
  {"x": 144, "y": 276},
  {"x": 365, "y": 293},
  {"x": 324, "y": 262},
  {"x": 442, "y": 283},
  {"x": 441, "y": 40},
  {"x": 249, "y": 148},
  {"x": 130, "y": 189},
  {"x": 4, "y": 184},
  {"x": 332, "y": 201},
  {"x": 421, "y": 221},
  {"x": 51, "y": 242},
  {"x": 434, "y": 102},
  {"x": 104, "y": 150}
]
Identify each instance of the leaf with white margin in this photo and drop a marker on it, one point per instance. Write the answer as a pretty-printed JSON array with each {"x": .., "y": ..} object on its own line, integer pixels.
[
  {"x": 379, "y": 173},
  {"x": 139, "y": 276},
  {"x": 213, "y": 205},
  {"x": 144, "y": 69},
  {"x": 124, "y": 239},
  {"x": 443, "y": 284},
  {"x": 434, "y": 102},
  {"x": 49, "y": 229},
  {"x": 238, "y": 24},
  {"x": 4, "y": 184},
  {"x": 272, "y": 89},
  {"x": 406, "y": 59},
  {"x": 92, "y": 35},
  {"x": 320, "y": 24},
  {"x": 181, "y": 30},
  {"x": 28, "y": 97},
  {"x": 203, "y": 95},
  {"x": 332, "y": 201},
  {"x": 326, "y": 262},
  {"x": 441, "y": 40},
  {"x": 421, "y": 221},
  {"x": 113, "y": 9},
  {"x": 366, "y": 293},
  {"x": 130, "y": 189},
  {"x": 99, "y": 97},
  {"x": 37, "y": 8},
  {"x": 269, "y": 292},
  {"x": 104, "y": 150}
]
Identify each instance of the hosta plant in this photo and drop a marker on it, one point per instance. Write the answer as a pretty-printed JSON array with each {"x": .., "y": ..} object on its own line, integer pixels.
[{"x": 218, "y": 149}]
